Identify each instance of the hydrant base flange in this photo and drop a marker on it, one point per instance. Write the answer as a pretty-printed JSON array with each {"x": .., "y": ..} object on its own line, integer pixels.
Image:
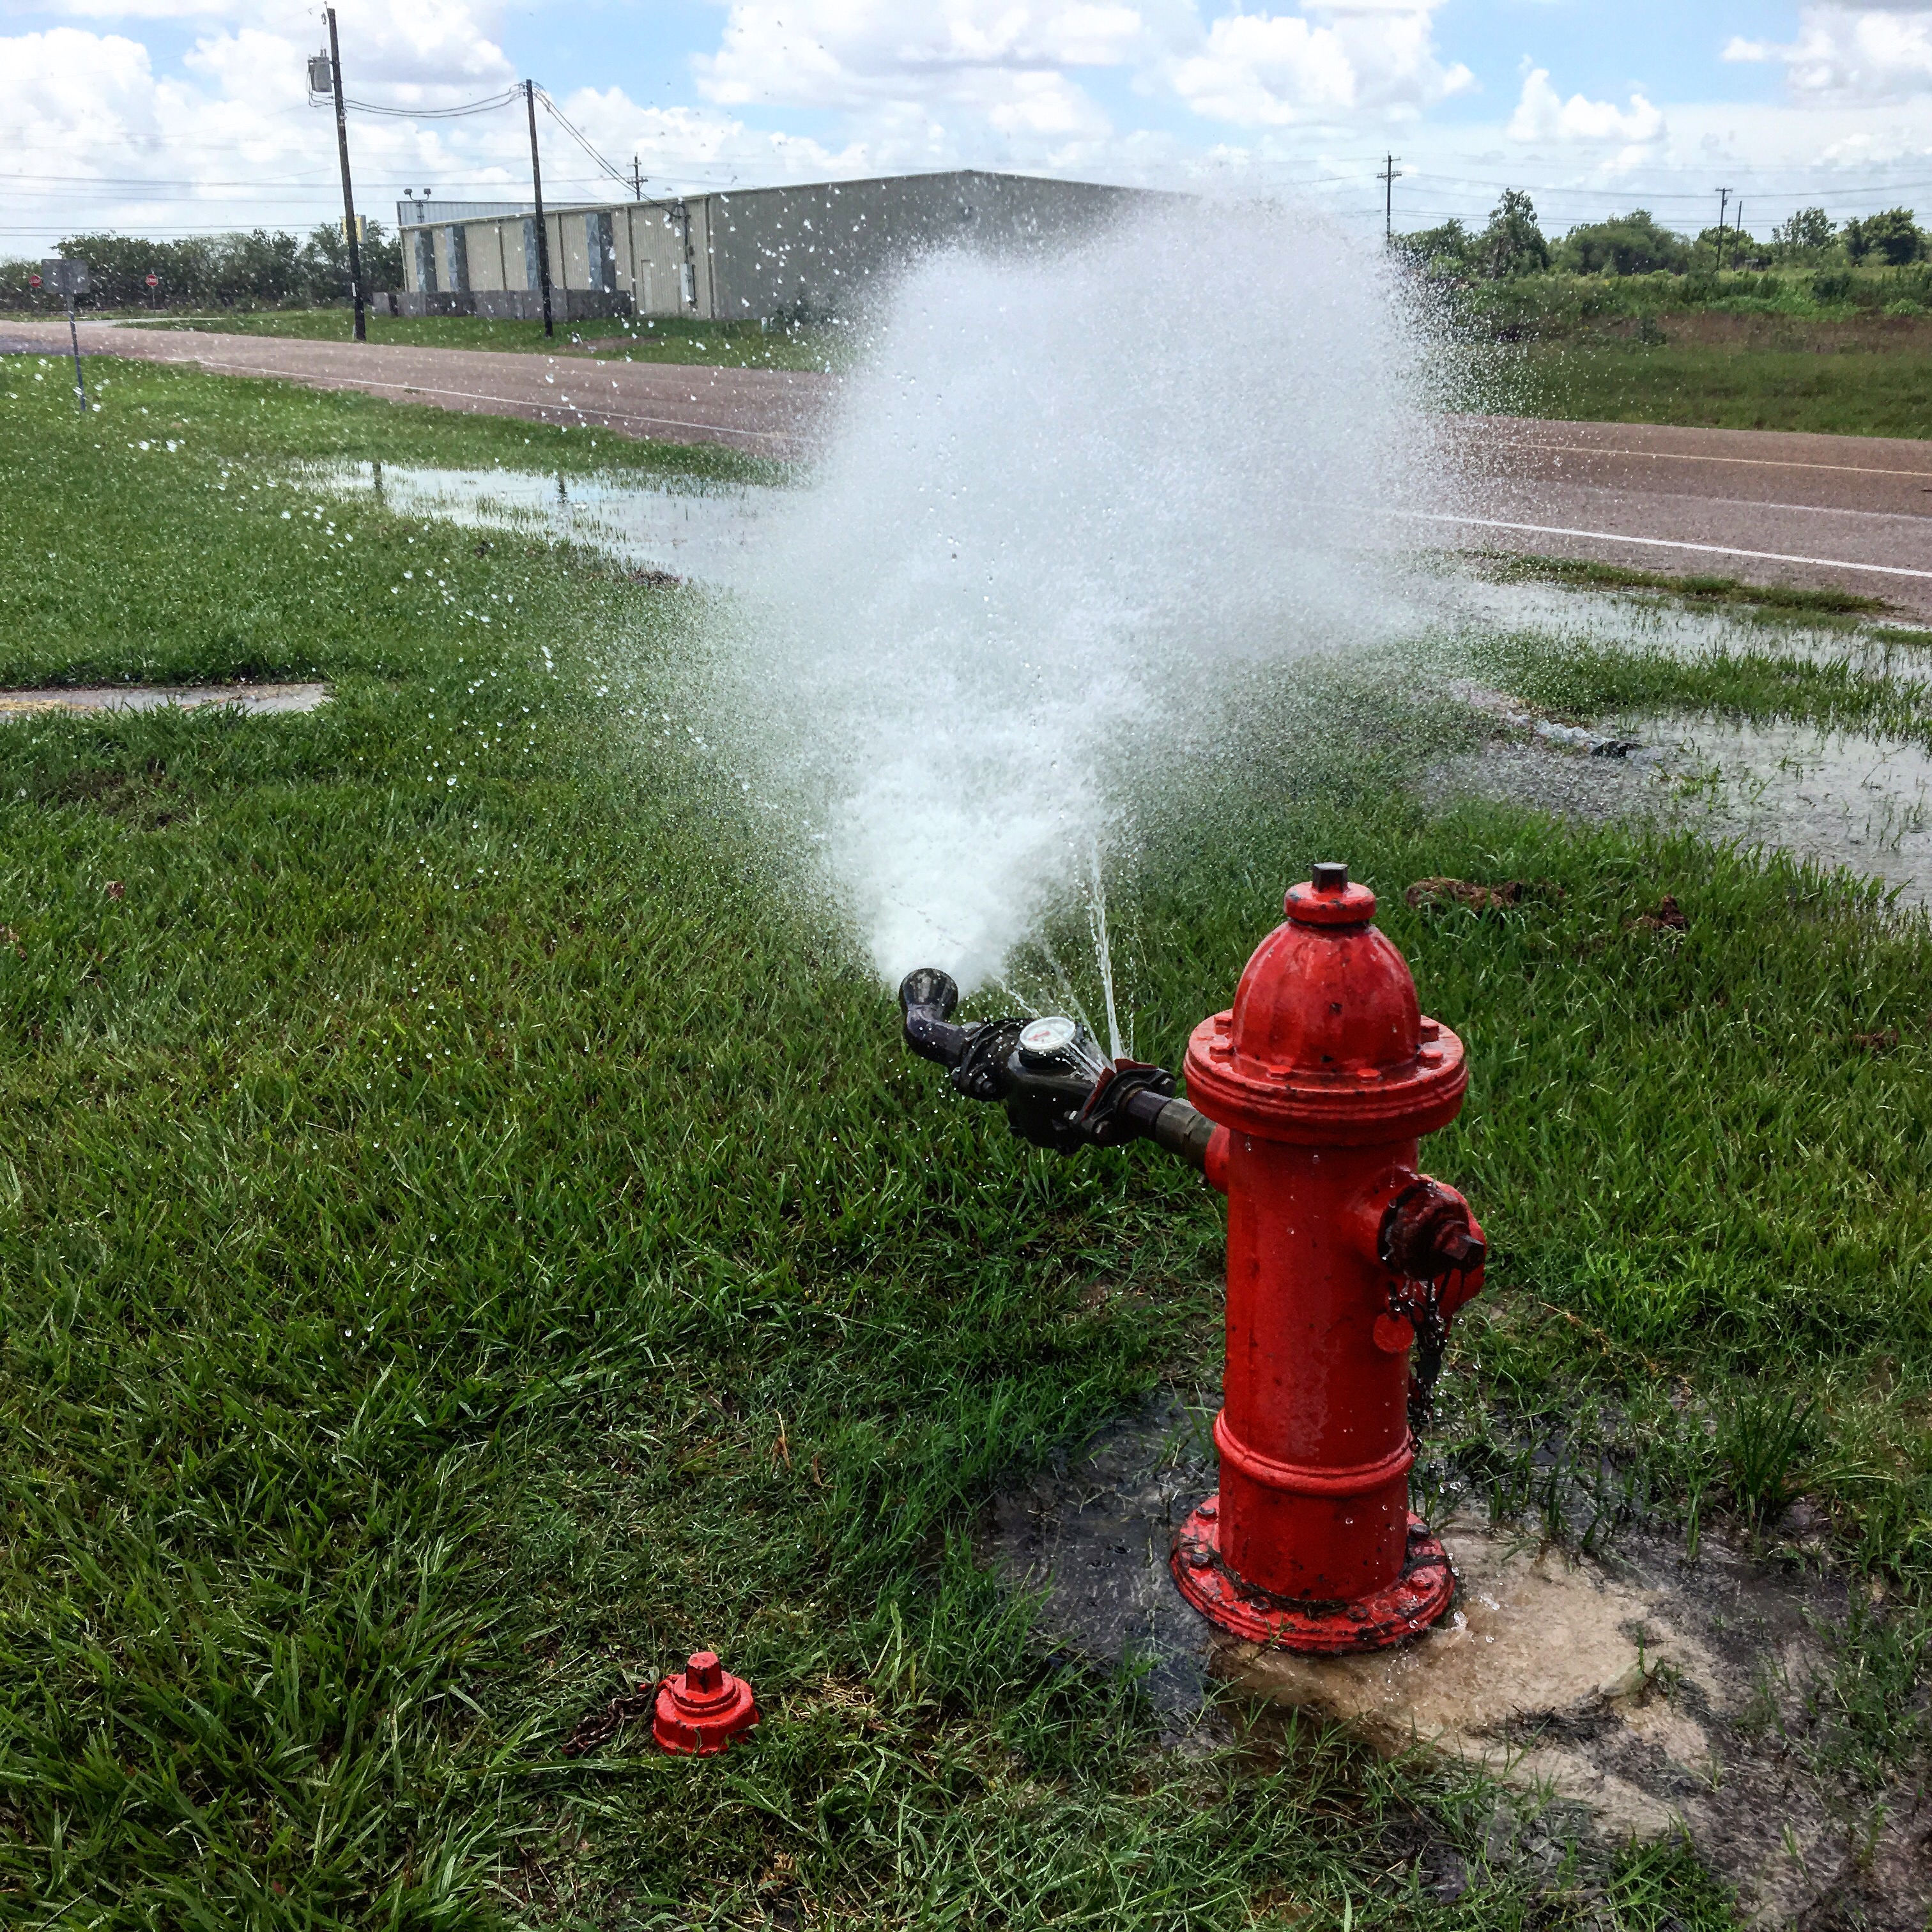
[{"x": 1404, "y": 1608}]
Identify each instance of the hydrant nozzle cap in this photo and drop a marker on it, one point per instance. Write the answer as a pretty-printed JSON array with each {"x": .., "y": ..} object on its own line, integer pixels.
[
  {"x": 1329, "y": 899},
  {"x": 700, "y": 1709}
]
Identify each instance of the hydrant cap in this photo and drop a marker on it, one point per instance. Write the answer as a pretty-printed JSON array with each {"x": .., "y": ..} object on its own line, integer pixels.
[
  {"x": 1325, "y": 1043},
  {"x": 1329, "y": 899},
  {"x": 702, "y": 1708}
]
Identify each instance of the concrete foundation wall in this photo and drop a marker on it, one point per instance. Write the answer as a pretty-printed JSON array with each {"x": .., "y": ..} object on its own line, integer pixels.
[{"x": 508, "y": 304}]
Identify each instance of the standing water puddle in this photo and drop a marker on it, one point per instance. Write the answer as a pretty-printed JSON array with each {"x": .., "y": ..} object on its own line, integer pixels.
[
  {"x": 1839, "y": 798},
  {"x": 688, "y": 529},
  {"x": 1843, "y": 798}
]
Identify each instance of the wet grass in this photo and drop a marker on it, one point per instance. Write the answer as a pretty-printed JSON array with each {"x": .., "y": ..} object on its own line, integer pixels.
[
  {"x": 1878, "y": 682},
  {"x": 721, "y": 345},
  {"x": 470, "y": 1235},
  {"x": 1701, "y": 591}
]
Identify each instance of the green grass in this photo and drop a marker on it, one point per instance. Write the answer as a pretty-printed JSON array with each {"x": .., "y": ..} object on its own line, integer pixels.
[
  {"x": 1856, "y": 391},
  {"x": 469, "y": 1233},
  {"x": 723, "y": 345}
]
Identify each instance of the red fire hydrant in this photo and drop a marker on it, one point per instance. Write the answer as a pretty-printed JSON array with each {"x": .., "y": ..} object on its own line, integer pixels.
[{"x": 1341, "y": 1259}]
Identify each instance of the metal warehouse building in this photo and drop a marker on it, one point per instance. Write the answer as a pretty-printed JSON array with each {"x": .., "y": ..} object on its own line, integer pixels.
[{"x": 734, "y": 256}]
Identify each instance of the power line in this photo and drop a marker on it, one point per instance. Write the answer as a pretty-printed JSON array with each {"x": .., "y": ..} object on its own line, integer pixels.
[
  {"x": 556, "y": 114},
  {"x": 484, "y": 106}
]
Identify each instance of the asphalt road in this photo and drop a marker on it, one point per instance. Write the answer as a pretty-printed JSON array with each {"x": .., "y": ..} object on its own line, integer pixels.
[
  {"x": 1849, "y": 512},
  {"x": 764, "y": 411},
  {"x": 1767, "y": 506}
]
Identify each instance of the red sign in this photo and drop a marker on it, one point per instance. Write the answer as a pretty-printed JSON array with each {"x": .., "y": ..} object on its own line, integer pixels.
[
  {"x": 33, "y": 281},
  {"x": 154, "y": 281}
]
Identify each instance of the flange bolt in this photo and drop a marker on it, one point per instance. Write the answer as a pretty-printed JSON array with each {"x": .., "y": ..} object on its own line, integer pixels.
[{"x": 702, "y": 1709}]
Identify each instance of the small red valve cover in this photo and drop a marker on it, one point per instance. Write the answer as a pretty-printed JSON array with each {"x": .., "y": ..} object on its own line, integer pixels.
[{"x": 703, "y": 1708}]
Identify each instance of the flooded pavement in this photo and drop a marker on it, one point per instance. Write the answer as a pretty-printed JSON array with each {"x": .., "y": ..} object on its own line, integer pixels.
[
  {"x": 260, "y": 700},
  {"x": 686, "y": 527},
  {"x": 1635, "y": 1694}
]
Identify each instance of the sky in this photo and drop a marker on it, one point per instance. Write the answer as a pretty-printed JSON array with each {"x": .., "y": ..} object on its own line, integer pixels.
[{"x": 176, "y": 117}]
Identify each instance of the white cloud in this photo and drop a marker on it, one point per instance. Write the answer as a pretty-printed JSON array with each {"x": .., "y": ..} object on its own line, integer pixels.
[
  {"x": 1542, "y": 114},
  {"x": 1373, "y": 57},
  {"x": 1870, "y": 55},
  {"x": 926, "y": 70}
]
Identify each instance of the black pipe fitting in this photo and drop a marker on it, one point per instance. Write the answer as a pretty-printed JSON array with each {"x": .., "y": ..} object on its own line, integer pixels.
[{"x": 1057, "y": 1091}]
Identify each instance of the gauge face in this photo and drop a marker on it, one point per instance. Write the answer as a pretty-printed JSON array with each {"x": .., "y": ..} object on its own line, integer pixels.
[{"x": 1049, "y": 1038}]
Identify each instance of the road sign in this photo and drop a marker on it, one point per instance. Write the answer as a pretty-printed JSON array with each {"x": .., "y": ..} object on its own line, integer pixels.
[
  {"x": 153, "y": 280},
  {"x": 33, "y": 281},
  {"x": 65, "y": 276}
]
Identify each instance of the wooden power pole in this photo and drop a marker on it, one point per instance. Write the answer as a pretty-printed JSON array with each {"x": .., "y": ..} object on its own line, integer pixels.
[
  {"x": 1389, "y": 176},
  {"x": 536, "y": 190},
  {"x": 349, "y": 234}
]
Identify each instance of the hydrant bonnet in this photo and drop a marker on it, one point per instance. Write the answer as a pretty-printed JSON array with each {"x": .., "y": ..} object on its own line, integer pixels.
[{"x": 1325, "y": 1044}]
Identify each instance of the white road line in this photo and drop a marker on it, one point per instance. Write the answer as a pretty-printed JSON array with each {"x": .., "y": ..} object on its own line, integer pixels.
[
  {"x": 1757, "y": 462},
  {"x": 1749, "y": 502},
  {"x": 1661, "y": 543}
]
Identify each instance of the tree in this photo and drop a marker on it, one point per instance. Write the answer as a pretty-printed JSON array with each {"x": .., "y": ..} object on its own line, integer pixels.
[
  {"x": 1442, "y": 253},
  {"x": 1893, "y": 236},
  {"x": 326, "y": 258},
  {"x": 1626, "y": 244},
  {"x": 1512, "y": 244},
  {"x": 1729, "y": 247},
  {"x": 1809, "y": 232}
]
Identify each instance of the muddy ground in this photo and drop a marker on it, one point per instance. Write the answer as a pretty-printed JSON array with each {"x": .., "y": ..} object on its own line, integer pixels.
[{"x": 1630, "y": 1694}]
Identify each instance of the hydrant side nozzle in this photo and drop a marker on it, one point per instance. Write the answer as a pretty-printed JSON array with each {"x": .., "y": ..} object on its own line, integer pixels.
[
  {"x": 1427, "y": 1231},
  {"x": 928, "y": 1000},
  {"x": 1190, "y": 1136}
]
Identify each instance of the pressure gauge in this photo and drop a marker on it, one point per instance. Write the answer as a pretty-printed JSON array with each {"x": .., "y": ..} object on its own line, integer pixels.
[{"x": 1050, "y": 1041}]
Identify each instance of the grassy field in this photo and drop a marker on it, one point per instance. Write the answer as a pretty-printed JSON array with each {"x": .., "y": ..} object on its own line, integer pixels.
[
  {"x": 471, "y": 1235},
  {"x": 1869, "y": 378},
  {"x": 726, "y": 345}
]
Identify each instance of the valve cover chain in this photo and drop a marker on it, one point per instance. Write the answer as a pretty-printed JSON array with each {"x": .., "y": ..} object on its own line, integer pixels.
[{"x": 1419, "y": 1303}]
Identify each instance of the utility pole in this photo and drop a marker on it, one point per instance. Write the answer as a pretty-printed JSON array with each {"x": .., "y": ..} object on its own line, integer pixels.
[
  {"x": 1723, "y": 202},
  {"x": 1389, "y": 176},
  {"x": 636, "y": 180},
  {"x": 349, "y": 234},
  {"x": 536, "y": 189}
]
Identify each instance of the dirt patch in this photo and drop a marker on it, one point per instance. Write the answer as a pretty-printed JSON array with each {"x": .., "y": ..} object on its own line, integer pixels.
[
  {"x": 1426, "y": 893},
  {"x": 1639, "y": 1693},
  {"x": 82, "y": 699}
]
